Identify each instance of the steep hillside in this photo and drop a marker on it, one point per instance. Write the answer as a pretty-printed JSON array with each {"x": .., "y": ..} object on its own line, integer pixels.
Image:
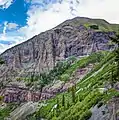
[
  {"x": 75, "y": 97},
  {"x": 76, "y": 37},
  {"x": 66, "y": 73},
  {"x": 64, "y": 80},
  {"x": 87, "y": 100}
]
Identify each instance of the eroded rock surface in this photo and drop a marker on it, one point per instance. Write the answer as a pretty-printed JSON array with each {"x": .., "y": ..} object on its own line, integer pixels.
[
  {"x": 101, "y": 113},
  {"x": 18, "y": 92},
  {"x": 41, "y": 52},
  {"x": 24, "y": 110}
]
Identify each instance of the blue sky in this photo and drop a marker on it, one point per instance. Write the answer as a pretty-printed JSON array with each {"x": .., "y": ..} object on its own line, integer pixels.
[
  {"x": 16, "y": 13},
  {"x": 22, "y": 19}
]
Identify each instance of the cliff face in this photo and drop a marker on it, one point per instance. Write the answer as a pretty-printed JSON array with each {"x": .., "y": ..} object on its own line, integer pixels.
[{"x": 41, "y": 52}]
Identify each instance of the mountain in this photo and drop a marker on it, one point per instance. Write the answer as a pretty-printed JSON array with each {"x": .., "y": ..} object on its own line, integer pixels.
[
  {"x": 68, "y": 72},
  {"x": 89, "y": 98},
  {"x": 76, "y": 37}
]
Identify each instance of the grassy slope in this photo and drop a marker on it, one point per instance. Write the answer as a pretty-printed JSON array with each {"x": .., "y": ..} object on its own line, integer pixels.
[
  {"x": 103, "y": 25},
  {"x": 87, "y": 92}
]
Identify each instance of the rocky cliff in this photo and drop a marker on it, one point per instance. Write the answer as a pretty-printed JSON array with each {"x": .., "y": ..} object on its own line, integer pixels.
[{"x": 41, "y": 52}]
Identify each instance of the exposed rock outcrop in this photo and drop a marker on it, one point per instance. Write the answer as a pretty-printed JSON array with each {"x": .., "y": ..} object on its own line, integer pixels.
[
  {"x": 101, "y": 113},
  {"x": 41, "y": 52},
  {"x": 18, "y": 92},
  {"x": 21, "y": 112}
]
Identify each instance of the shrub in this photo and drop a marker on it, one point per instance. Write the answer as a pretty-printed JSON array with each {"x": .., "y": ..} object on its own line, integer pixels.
[
  {"x": 100, "y": 104},
  {"x": 1, "y": 98},
  {"x": 95, "y": 27},
  {"x": 64, "y": 77},
  {"x": 54, "y": 118},
  {"x": 19, "y": 79},
  {"x": 71, "y": 59},
  {"x": 63, "y": 100},
  {"x": 2, "y": 61},
  {"x": 73, "y": 94},
  {"x": 86, "y": 115}
]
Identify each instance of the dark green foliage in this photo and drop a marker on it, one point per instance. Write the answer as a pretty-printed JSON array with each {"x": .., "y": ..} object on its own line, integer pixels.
[
  {"x": 68, "y": 105},
  {"x": 116, "y": 52},
  {"x": 72, "y": 59},
  {"x": 5, "y": 112},
  {"x": 57, "y": 108},
  {"x": 95, "y": 27},
  {"x": 39, "y": 81},
  {"x": 59, "y": 69},
  {"x": 86, "y": 94},
  {"x": 112, "y": 78},
  {"x": 43, "y": 79},
  {"x": 63, "y": 100},
  {"x": 100, "y": 104},
  {"x": 1, "y": 85},
  {"x": 86, "y": 115},
  {"x": 2, "y": 61},
  {"x": 73, "y": 90},
  {"x": 77, "y": 104}
]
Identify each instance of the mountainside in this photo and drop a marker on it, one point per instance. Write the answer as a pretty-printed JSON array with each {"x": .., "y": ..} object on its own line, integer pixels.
[
  {"x": 76, "y": 37},
  {"x": 87, "y": 100},
  {"x": 70, "y": 72},
  {"x": 92, "y": 98}
]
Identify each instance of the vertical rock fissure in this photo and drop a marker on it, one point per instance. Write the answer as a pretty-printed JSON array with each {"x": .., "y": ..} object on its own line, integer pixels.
[
  {"x": 33, "y": 52},
  {"x": 53, "y": 49}
]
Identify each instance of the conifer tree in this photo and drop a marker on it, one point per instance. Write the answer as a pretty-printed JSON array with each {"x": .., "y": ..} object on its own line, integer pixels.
[
  {"x": 2, "y": 61},
  {"x": 116, "y": 40},
  {"x": 73, "y": 94},
  {"x": 68, "y": 105},
  {"x": 57, "y": 108},
  {"x": 63, "y": 100},
  {"x": 112, "y": 78}
]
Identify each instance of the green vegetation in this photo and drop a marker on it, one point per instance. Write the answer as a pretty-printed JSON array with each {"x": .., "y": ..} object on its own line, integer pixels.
[
  {"x": 2, "y": 61},
  {"x": 75, "y": 104},
  {"x": 93, "y": 58},
  {"x": 47, "y": 78},
  {"x": 95, "y": 27},
  {"x": 73, "y": 90},
  {"x": 116, "y": 52},
  {"x": 5, "y": 112},
  {"x": 102, "y": 24}
]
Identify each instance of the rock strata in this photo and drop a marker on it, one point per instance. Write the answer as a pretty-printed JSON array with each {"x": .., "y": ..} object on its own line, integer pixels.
[{"x": 42, "y": 52}]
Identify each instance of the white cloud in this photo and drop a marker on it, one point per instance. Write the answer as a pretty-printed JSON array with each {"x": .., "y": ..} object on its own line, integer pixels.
[
  {"x": 3, "y": 36},
  {"x": 105, "y": 9},
  {"x": 7, "y": 26},
  {"x": 13, "y": 37},
  {"x": 5, "y": 3},
  {"x": 40, "y": 20},
  {"x": 14, "y": 41},
  {"x": 12, "y": 26}
]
